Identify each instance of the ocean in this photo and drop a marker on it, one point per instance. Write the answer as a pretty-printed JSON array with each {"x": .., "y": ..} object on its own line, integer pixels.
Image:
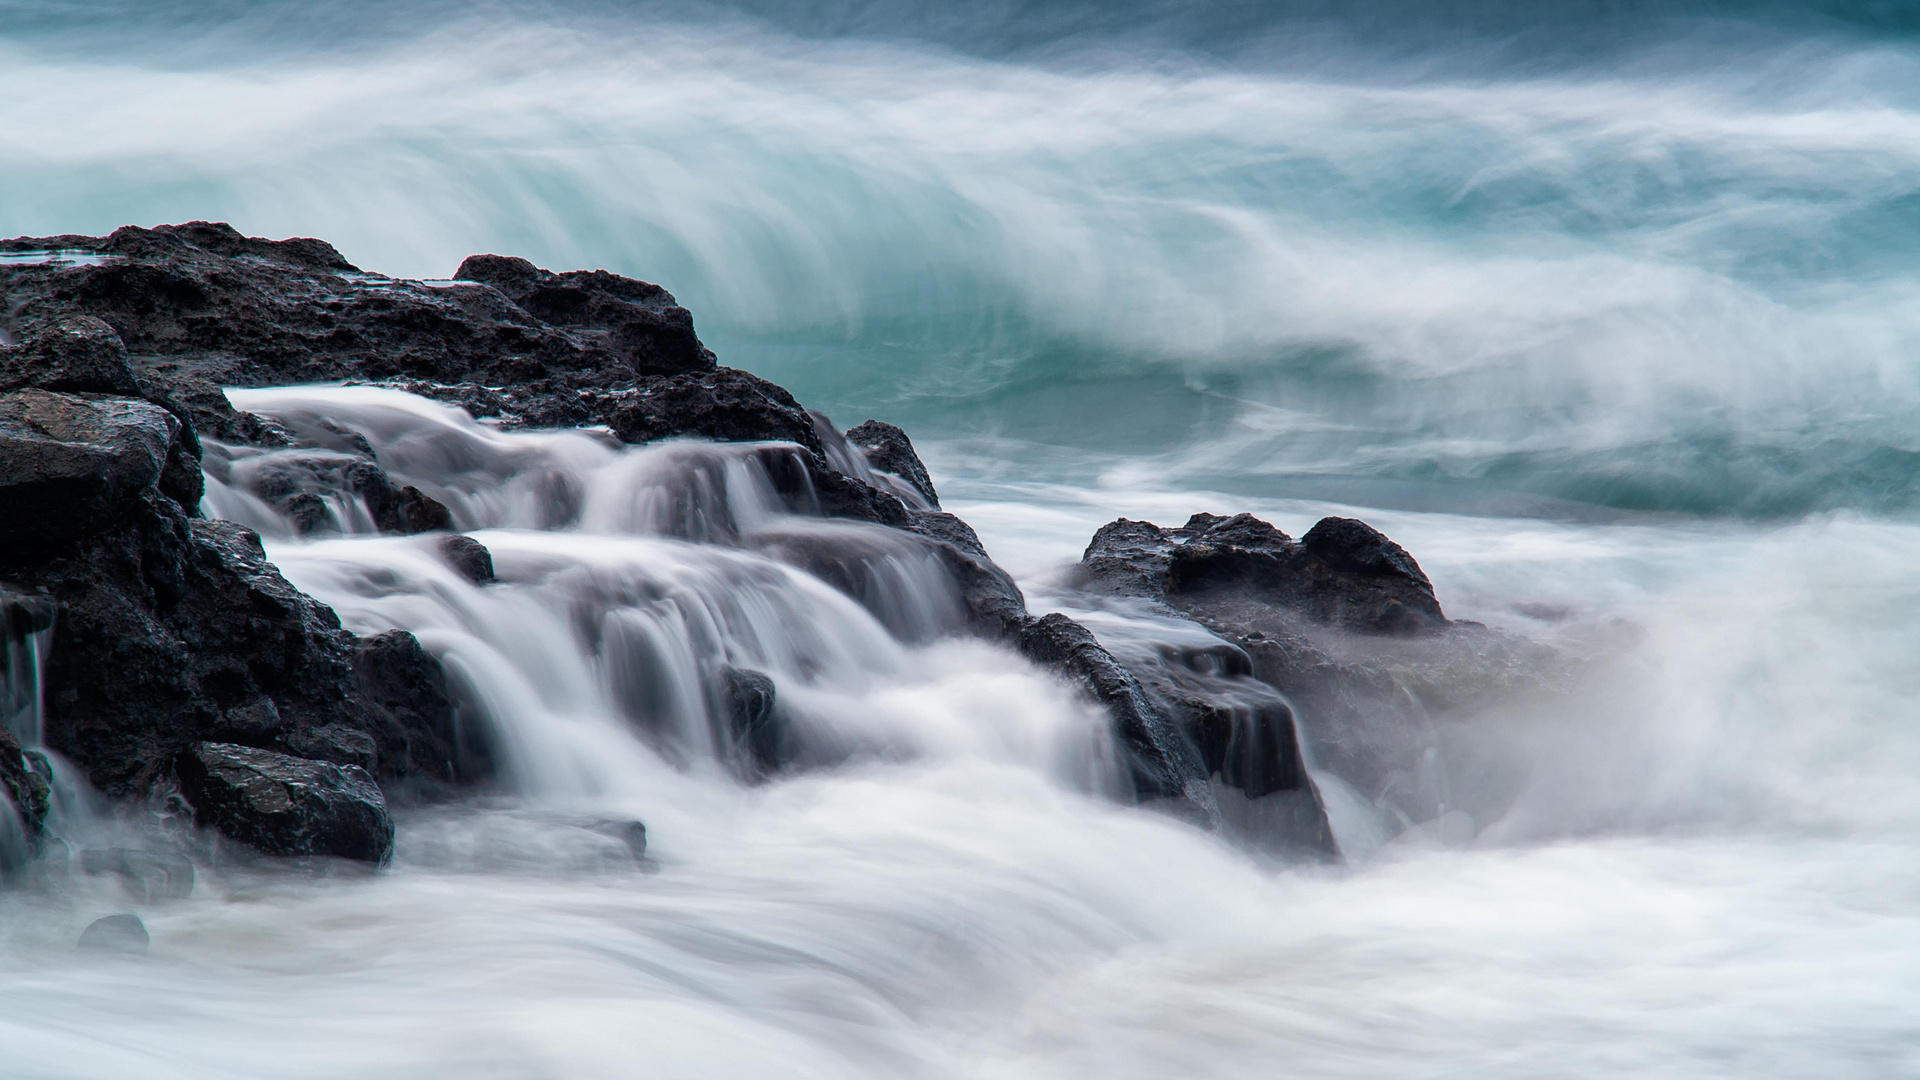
[{"x": 1607, "y": 311}]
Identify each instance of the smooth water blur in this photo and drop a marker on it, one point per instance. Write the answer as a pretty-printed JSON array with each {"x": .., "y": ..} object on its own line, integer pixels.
[
  {"x": 1646, "y": 258},
  {"x": 1604, "y": 310}
]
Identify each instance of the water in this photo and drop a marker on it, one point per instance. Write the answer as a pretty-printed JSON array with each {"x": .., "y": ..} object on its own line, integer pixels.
[{"x": 1604, "y": 313}]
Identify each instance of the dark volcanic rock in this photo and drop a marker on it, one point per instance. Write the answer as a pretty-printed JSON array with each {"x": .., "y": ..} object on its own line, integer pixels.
[
  {"x": 639, "y": 323},
  {"x": 71, "y": 466},
  {"x": 81, "y": 354},
  {"x": 468, "y": 556},
  {"x": 26, "y": 789},
  {"x": 888, "y": 449},
  {"x": 720, "y": 404},
  {"x": 286, "y": 805},
  {"x": 1161, "y": 763},
  {"x": 1344, "y": 574},
  {"x": 419, "y": 512},
  {"x": 419, "y": 730}
]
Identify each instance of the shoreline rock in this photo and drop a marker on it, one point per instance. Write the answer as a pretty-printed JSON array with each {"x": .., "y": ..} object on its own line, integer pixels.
[{"x": 211, "y": 647}]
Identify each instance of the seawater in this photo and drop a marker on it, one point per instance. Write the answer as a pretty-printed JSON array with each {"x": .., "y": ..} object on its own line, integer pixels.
[{"x": 1605, "y": 315}]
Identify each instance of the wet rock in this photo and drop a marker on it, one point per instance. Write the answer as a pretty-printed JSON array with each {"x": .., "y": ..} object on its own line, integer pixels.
[
  {"x": 309, "y": 514},
  {"x": 468, "y": 556},
  {"x": 71, "y": 467},
  {"x": 888, "y": 449},
  {"x": 419, "y": 512},
  {"x": 284, "y": 805},
  {"x": 754, "y": 734},
  {"x": 336, "y": 743},
  {"x": 27, "y": 791},
  {"x": 420, "y": 734},
  {"x": 77, "y": 354},
  {"x": 115, "y": 933},
  {"x": 1161, "y": 763}
]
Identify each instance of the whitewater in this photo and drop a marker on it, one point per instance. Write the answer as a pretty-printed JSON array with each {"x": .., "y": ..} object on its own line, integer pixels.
[{"x": 1610, "y": 321}]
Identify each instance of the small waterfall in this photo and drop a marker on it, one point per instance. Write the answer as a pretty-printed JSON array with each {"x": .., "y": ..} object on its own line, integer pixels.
[
  {"x": 26, "y": 624},
  {"x": 678, "y": 605}
]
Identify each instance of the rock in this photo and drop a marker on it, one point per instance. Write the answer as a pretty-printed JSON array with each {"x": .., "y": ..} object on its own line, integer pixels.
[
  {"x": 469, "y": 557},
  {"x": 754, "y": 735},
  {"x": 1343, "y": 575},
  {"x": 1161, "y": 763},
  {"x": 419, "y": 512},
  {"x": 888, "y": 449},
  {"x": 335, "y": 743},
  {"x": 640, "y": 323},
  {"x": 720, "y": 404},
  {"x": 27, "y": 791},
  {"x": 115, "y": 933},
  {"x": 284, "y": 805},
  {"x": 73, "y": 466},
  {"x": 420, "y": 734},
  {"x": 77, "y": 354}
]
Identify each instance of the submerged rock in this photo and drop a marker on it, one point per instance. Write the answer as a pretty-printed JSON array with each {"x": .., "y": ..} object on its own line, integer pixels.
[
  {"x": 148, "y": 876},
  {"x": 123, "y": 933},
  {"x": 756, "y": 740},
  {"x": 284, "y": 805}
]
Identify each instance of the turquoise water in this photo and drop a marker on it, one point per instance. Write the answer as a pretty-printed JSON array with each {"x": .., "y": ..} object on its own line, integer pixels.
[{"x": 1636, "y": 258}]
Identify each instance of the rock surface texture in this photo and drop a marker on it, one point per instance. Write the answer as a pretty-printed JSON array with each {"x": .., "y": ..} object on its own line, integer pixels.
[{"x": 287, "y": 805}]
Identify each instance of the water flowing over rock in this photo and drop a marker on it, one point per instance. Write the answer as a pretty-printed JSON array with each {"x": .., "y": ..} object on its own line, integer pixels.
[{"x": 231, "y": 680}]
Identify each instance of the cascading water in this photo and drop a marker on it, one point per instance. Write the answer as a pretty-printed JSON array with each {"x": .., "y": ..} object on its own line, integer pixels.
[{"x": 632, "y": 587}]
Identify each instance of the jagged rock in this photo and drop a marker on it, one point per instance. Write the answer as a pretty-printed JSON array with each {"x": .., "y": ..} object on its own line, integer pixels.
[
  {"x": 1344, "y": 574},
  {"x": 72, "y": 466},
  {"x": 122, "y": 933},
  {"x": 641, "y": 323},
  {"x": 720, "y": 404},
  {"x": 468, "y": 556},
  {"x": 888, "y": 449},
  {"x": 78, "y": 354},
  {"x": 284, "y": 805}
]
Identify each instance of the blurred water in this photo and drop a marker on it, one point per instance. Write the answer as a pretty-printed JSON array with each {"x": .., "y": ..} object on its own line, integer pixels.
[{"x": 1605, "y": 313}]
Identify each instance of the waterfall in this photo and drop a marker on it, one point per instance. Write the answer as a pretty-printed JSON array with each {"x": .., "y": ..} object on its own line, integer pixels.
[{"x": 638, "y": 594}]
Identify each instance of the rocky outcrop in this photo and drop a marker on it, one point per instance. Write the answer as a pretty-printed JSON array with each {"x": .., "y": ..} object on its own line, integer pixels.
[
  {"x": 285, "y": 805},
  {"x": 117, "y": 371},
  {"x": 888, "y": 450},
  {"x": 1342, "y": 574}
]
